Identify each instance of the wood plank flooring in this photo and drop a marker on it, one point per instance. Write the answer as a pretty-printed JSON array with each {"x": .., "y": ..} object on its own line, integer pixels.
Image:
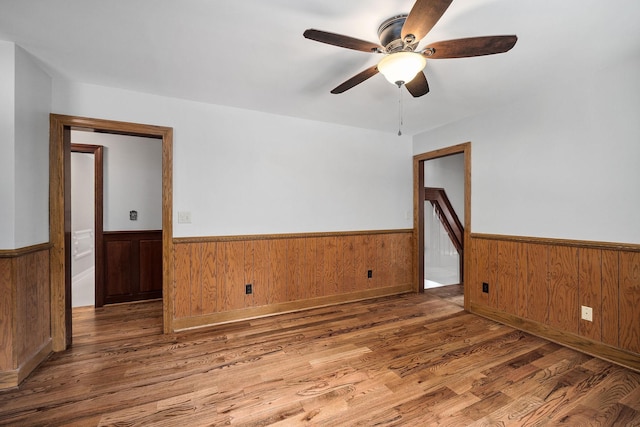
[{"x": 413, "y": 360}]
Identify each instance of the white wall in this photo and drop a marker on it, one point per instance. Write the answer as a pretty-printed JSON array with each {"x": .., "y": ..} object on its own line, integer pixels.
[
  {"x": 25, "y": 90},
  {"x": 245, "y": 172},
  {"x": 7, "y": 145},
  {"x": 132, "y": 179},
  {"x": 563, "y": 163}
]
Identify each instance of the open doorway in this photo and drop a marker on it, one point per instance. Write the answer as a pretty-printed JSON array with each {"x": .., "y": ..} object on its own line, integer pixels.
[
  {"x": 87, "y": 222},
  {"x": 60, "y": 215},
  {"x": 421, "y": 205},
  {"x": 443, "y": 229},
  {"x": 129, "y": 265}
]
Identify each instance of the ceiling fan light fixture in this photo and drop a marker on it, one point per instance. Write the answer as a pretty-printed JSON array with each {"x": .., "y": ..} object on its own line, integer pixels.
[{"x": 401, "y": 67}]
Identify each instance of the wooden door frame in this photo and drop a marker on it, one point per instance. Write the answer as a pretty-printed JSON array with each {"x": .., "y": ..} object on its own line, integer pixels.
[
  {"x": 98, "y": 204},
  {"x": 60, "y": 127},
  {"x": 418, "y": 212}
]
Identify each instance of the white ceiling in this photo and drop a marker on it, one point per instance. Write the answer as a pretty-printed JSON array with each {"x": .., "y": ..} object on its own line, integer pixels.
[{"x": 251, "y": 54}]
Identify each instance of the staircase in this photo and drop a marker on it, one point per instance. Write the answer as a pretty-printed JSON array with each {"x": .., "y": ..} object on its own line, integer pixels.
[{"x": 448, "y": 218}]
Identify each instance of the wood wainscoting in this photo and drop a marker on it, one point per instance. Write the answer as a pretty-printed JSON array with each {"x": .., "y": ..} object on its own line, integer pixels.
[
  {"x": 132, "y": 266},
  {"x": 25, "y": 319},
  {"x": 539, "y": 286},
  {"x": 286, "y": 273}
]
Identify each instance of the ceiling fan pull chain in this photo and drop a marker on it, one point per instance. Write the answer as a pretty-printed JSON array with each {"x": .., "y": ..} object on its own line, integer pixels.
[{"x": 400, "y": 123}]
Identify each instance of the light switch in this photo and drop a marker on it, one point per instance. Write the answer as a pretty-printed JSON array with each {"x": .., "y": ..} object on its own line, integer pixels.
[{"x": 184, "y": 217}]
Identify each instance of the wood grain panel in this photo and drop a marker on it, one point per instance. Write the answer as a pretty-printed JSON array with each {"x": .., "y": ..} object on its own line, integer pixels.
[
  {"x": 249, "y": 250},
  {"x": 348, "y": 263},
  {"x": 483, "y": 261},
  {"x": 396, "y": 258},
  {"x": 494, "y": 286},
  {"x": 150, "y": 266},
  {"x": 522, "y": 283},
  {"x": 235, "y": 275},
  {"x": 610, "y": 297},
  {"x": 136, "y": 267},
  {"x": 590, "y": 291},
  {"x": 537, "y": 279},
  {"x": 209, "y": 278},
  {"x": 371, "y": 259},
  {"x": 278, "y": 271},
  {"x": 474, "y": 285},
  {"x": 340, "y": 286},
  {"x": 507, "y": 277},
  {"x": 23, "y": 289},
  {"x": 384, "y": 261},
  {"x": 37, "y": 294},
  {"x": 405, "y": 259},
  {"x": 25, "y": 321},
  {"x": 7, "y": 313},
  {"x": 361, "y": 262},
  {"x": 261, "y": 273},
  {"x": 309, "y": 259},
  {"x": 327, "y": 264},
  {"x": 564, "y": 310},
  {"x": 118, "y": 268},
  {"x": 630, "y": 301},
  {"x": 44, "y": 296},
  {"x": 232, "y": 267},
  {"x": 182, "y": 279},
  {"x": 295, "y": 249},
  {"x": 195, "y": 282}
]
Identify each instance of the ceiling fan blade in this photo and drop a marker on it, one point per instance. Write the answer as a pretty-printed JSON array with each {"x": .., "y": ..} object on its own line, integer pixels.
[
  {"x": 341, "y": 41},
  {"x": 472, "y": 46},
  {"x": 423, "y": 16},
  {"x": 418, "y": 86},
  {"x": 357, "y": 79}
]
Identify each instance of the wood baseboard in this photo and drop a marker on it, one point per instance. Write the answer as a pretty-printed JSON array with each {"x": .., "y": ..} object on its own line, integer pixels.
[
  {"x": 576, "y": 342},
  {"x": 286, "y": 307},
  {"x": 10, "y": 379}
]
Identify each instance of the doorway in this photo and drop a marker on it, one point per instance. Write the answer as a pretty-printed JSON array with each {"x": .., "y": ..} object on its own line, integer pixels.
[
  {"x": 419, "y": 211},
  {"x": 87, "y": 223},
  {"x": 60, "y": 215}
]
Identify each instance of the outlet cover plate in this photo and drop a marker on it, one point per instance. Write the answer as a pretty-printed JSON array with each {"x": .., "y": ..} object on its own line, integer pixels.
[{"x": 587, "y": 313}]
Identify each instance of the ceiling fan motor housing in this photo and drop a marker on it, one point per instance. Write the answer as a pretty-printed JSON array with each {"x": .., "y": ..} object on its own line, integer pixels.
[{"x": 390, "y": 35}]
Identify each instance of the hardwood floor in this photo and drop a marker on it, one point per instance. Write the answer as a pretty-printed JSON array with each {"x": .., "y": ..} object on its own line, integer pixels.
[{"x": 414, "y": 360}]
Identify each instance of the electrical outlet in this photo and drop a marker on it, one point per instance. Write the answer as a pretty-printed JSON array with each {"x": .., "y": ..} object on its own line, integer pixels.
[
  {"x": 248, "y": 288},
  {"x": 587, "y": 313},
  {"x": 485, "y": 287},
  {"x": 369, "y": 274}
]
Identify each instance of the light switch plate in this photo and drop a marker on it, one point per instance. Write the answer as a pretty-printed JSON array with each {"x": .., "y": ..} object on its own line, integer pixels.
[{"x": 184, "y": 217}]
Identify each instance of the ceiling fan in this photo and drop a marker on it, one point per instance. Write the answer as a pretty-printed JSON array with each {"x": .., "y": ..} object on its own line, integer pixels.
[{"x": 399, "y": 37}]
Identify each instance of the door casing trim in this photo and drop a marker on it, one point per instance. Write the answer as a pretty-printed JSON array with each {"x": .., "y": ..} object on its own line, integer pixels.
[
  {"x": 60, "y": 127},
  {"x": 418, "y": 213}
]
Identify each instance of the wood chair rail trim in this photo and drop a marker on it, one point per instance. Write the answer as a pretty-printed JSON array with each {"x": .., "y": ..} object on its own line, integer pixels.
[
  {"x": 251, "y": 237},
  {"x": 18, "y": 252},
  {"x": 562, "y": 242}
]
